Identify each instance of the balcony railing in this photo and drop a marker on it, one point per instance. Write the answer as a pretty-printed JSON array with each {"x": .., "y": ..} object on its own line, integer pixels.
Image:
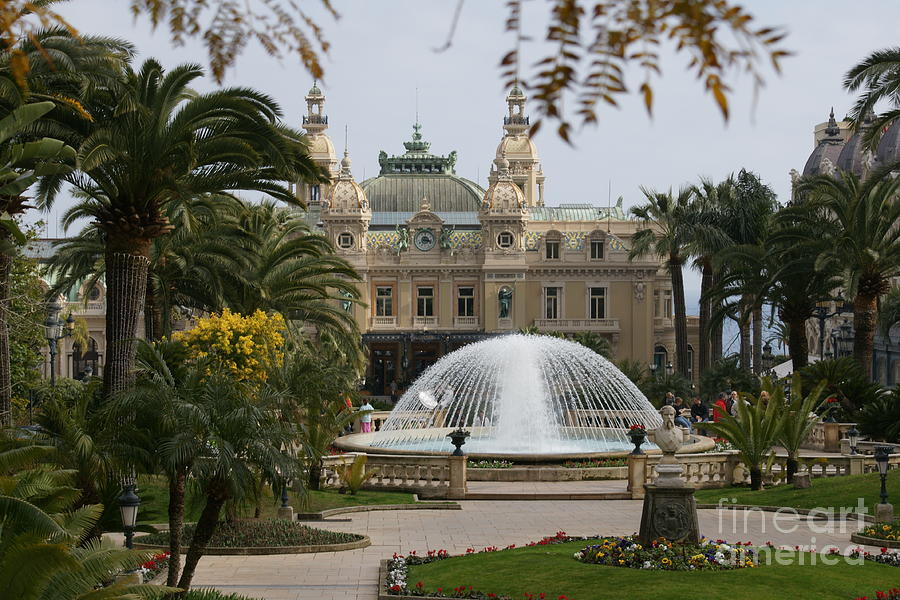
[
  {"x": 577, "y": 324},
  {"x": 384, "y": 322},
  {"x": 315, "y": 119},
  {"x": 515, "y": 120},
  {"x": 89, "y": 308},
  {"x": 425, "y": 321},
  {"x": 662, "y": 322},
  {"x": 465, "y": 322}
]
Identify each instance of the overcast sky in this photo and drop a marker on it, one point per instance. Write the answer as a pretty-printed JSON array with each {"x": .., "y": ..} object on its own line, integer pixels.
[{"x": 383, "y": 50}]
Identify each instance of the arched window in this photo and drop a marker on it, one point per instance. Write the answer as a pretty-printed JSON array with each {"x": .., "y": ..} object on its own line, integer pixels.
[
  {"x": 690, "y": 359},
  {"x": 552, "y": 245},
  {"x": 660, "y": 358},
  {"x": 82, "y": 360},
  {"x": 596, "y": 245}
]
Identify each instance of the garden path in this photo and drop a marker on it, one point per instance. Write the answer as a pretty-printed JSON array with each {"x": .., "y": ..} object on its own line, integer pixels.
[{"x": 352, "y": 575}]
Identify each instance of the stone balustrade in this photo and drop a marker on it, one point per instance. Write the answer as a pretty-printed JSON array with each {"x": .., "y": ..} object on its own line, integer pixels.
[
  {"x": 429, "y": 476},
  {"x": 378, "y": 419},
  {"x": 826, "y": 437}
]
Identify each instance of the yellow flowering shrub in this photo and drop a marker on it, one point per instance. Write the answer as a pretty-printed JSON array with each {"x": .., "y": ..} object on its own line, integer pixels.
[{"x": 245, "y": 346}]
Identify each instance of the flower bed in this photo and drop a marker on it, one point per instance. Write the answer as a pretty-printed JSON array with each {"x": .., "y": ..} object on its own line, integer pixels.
[
  {"x": 255, "y": 534},
  {"x": 662, "y": 554},
  {"x": 883, "y": 531},
  {"x": 891, "y": 594},
  {"x": 596, "y": 463},
  {"x": 884, "y": 557},
  {"x": 154, "y": 566}
]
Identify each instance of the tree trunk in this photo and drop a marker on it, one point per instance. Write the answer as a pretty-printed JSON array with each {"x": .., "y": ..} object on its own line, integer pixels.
[
  {"x": 791, "y": 468},
  {"x": 126, "y": 280},
  {"x": 757, "y": 340},
  {"x": 755, "y": 478},
  {"x": 797, "y": 343},
  {"x": 176, "y": 526},
  {"x": 681, "y": 345},
  {"x": 703, "y": 343},
  {"x": 744, "y": 328},
  {"x": 206, "y": 526},
  {"x": 717, "y": 332},
  {"x": 865, "y": 315},
  {"x": 315, "y": 475},
  {"x": 5, "y": 367},
  {"x": 153, "y": 326}
]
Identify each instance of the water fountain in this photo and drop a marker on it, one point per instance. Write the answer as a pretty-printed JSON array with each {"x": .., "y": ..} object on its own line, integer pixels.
[{"x": 521, "y": 396}]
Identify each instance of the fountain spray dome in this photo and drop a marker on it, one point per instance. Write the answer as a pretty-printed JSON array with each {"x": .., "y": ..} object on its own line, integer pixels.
[{"x": 518, "y": 395}]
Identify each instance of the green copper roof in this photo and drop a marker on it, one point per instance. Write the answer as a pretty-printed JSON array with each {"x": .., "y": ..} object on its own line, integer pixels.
[
  {"x": 407, "y": 192},
  {"x": 575, "y": 212}
]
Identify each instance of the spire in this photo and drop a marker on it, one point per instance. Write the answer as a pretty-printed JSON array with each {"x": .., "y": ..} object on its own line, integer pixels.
[
  {"x": 417, "y": 146},
  {"x": 315, "y": 121},
  {"x": 515, "y": 123},
  {"x": 832, "y": 130}
]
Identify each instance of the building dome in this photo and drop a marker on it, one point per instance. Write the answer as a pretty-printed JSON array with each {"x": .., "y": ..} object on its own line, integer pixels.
[
  {"x": 407, "y": 178},
  {"x": 824, "y": 157},
  {"x": 320, "y": 147},
  {"x": 854, "y": 158},
  {"x": 503, "y": 194},
  {"x": 314, "y": 90},
  {"x": 888, "y": 151},
  {"x": 517, "y": 147},
  {"x": 347, "y": 195}
]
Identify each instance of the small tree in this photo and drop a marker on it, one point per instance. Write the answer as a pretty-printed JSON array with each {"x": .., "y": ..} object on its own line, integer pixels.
[
  {"x": 799, "y": 416},
  {"x": 753, "y": 432}
]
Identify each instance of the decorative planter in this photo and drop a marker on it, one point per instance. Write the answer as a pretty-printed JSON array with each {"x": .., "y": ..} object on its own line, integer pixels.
[
  {"x": 458, "y": 438},
  {"x": 637, "y": 437},
  {"x": 858, "y": 538}
]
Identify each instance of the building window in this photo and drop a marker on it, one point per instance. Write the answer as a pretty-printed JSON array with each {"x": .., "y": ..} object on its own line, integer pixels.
[
  {"x": 690, "y": 361},
  {"x": 384, "y": 301},
  {"x": 662, "y": 304},
  {"x": 660, "y": 359},
  {"x": 314, "y": 192},
  {"x": 598, "y": 302},
  {"x": 345, "y": 240},
  {"x": 465, "y": 302},
  {"x": 552, "y": 249},
  {"x": 94, "y": 294},
  {"x": 552, "y": 297},
  {"x": 597, "y": 249},
  {"x": 667, "y": 303},
  {"x": 505, "y": 240},
  {"x": 425, "y": 301}
]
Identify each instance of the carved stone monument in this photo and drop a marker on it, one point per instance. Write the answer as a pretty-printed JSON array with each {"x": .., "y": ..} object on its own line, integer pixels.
[{"x": 670, "y": 510}]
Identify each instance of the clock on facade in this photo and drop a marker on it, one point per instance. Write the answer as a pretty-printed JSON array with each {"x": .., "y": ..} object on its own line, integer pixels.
[{"x": 424, "y": 240}]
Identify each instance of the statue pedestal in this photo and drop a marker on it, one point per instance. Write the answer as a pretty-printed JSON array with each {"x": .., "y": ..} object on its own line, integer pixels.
[{"x": 669, "y": 512}]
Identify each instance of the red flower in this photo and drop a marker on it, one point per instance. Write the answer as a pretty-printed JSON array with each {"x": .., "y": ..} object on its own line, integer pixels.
[
  {"x": 395, "y": 588},
  {"x": 636, "y": 426}
]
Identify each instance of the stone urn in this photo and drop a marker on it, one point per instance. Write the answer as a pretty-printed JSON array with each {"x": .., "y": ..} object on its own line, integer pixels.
[
  {"x": 458, "y": 438},
  {"x": 637, "y": 435}
]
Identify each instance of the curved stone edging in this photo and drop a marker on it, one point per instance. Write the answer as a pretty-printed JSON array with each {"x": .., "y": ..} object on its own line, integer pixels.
[
  {"x": 330, "y": 512},
  {"x": 818, "y": 514},
  {"x": 539, "y": 473},
  {"x": 262, "y": 550},
  {"x": 858, "y": 538}
]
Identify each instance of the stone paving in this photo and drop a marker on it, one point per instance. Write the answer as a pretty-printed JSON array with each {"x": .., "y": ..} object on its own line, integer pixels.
[{"x": 352, "y": 575}]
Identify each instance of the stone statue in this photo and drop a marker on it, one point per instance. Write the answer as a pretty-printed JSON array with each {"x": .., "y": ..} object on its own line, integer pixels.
[
  {"x": 868, "y": 160},
  {"x": 445, "y": 242},
  {"x": 451, "y": 160},
  {"x": 504, "y": 298},
  {"x": 668, "y": 438},
  {"x": 346, "y": 303},
  {"x": 795, "y": 176},
  {"x": 403, "y": 239},
  {"x": 639, "y": 291},
  {"x": 827, "y": 167}
]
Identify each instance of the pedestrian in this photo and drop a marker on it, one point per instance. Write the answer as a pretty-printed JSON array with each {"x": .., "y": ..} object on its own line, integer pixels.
[
  {"x": 365, "y": 418},
  {"x": 393, "y": 389},
  {"x": 669, "y": 400},
  {"x": 680, "y": 419},
  {"x": 733, "y": 400},
  {"x": 699, "y": 411},
  {"x": 720, "y": 407}
]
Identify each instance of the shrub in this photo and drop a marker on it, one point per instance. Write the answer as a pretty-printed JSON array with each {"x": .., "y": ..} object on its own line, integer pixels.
[
  {"x": 880, "y": 419},
  {"x": 255, "y": 534},
  {"x": 354, "y": 475},
  {"x": 845, "y": 380},
  {"x": 726, "y": 374}
]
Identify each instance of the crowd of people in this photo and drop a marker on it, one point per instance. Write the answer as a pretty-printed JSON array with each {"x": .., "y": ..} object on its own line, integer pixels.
[{"x": 698, "y": 412}]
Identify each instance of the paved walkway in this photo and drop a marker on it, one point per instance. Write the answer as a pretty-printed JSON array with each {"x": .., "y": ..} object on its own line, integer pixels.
[{"x": 352, "y": 575}]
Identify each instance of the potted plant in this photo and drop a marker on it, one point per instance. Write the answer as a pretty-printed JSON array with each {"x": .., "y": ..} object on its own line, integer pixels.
[{"x": 637, "y": 433}]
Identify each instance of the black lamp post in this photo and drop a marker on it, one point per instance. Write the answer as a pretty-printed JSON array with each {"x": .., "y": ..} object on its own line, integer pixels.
[
  {"x": 822, "y": 314},
  {"x": 669, "y": 368},
  {"x": 56, "y": 329},
  {"x": 128, "y": 508},
  {"x": 882, "y": 453},
  {"x": 653, "y": 368},
  {"x": 853, "y": 435},
  {"x": 458, "y": 438},
  {"x": 768, "y": 359},
  {"x": 284, "y": 495}
]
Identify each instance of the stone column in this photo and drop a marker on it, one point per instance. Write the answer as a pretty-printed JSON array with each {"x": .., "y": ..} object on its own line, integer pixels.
[
  {"x": 884, "y": 513},
  {"x": 637, "y": 475},
  {"x": 832, "y": 437},
  {"x": 857, "y": 464},
  {"x": 457, "y": 490}
]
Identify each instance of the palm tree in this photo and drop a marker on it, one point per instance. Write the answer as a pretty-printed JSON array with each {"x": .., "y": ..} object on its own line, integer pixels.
[
  {"x": 709, "y": 200},
  {"x": 290, "y": 270},
  {"x": 878, "y": 76},
  {"x": 666, "y": 220},
  {"x": 21, "y": 164},
  {"x": 799, "y": 416},
  {"x": 860, "y": 219},
  {"x": 594, "y": 342},
  {"x": 245, "y": 440},
  {"x": 157, "y": 144},
  {"x": 753, "y": 432}
]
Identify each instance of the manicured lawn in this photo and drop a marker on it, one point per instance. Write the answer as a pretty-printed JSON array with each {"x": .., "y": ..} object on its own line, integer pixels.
[
  {"x": 259, "y": 533},
  {"x": 155, "y": 501},
  {"x": 553, "y": 571},
  {"x": 825, "y": 492}
]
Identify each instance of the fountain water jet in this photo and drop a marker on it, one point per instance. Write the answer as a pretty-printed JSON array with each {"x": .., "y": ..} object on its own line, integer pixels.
[{"x": 519, "y": 395}]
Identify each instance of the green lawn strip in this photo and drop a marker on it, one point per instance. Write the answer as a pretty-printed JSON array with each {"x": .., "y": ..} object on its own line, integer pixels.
[
  {"x": 259, "y": 533},
  {"x": 553, "y": 571},
  {"x": 825, "y": 492},
  {"x": 154, "y": 495}
]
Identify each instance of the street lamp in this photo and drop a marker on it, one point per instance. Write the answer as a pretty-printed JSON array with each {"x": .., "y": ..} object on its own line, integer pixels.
[
  {"x": 128, "y": 508},
  {"x": 56, "y": 329},
  {"x": 653, "y": 368},
  {"x": 669, "y": 368},
  {"x": 882, "y": 453},
  {"x": 768, "y": 359},
  {"x": 853, "y": 435},
  {"x": 820, "y": 312}
]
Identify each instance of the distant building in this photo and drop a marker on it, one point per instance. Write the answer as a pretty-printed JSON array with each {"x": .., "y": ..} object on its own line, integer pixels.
[{"x": 446, "y": 262}]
